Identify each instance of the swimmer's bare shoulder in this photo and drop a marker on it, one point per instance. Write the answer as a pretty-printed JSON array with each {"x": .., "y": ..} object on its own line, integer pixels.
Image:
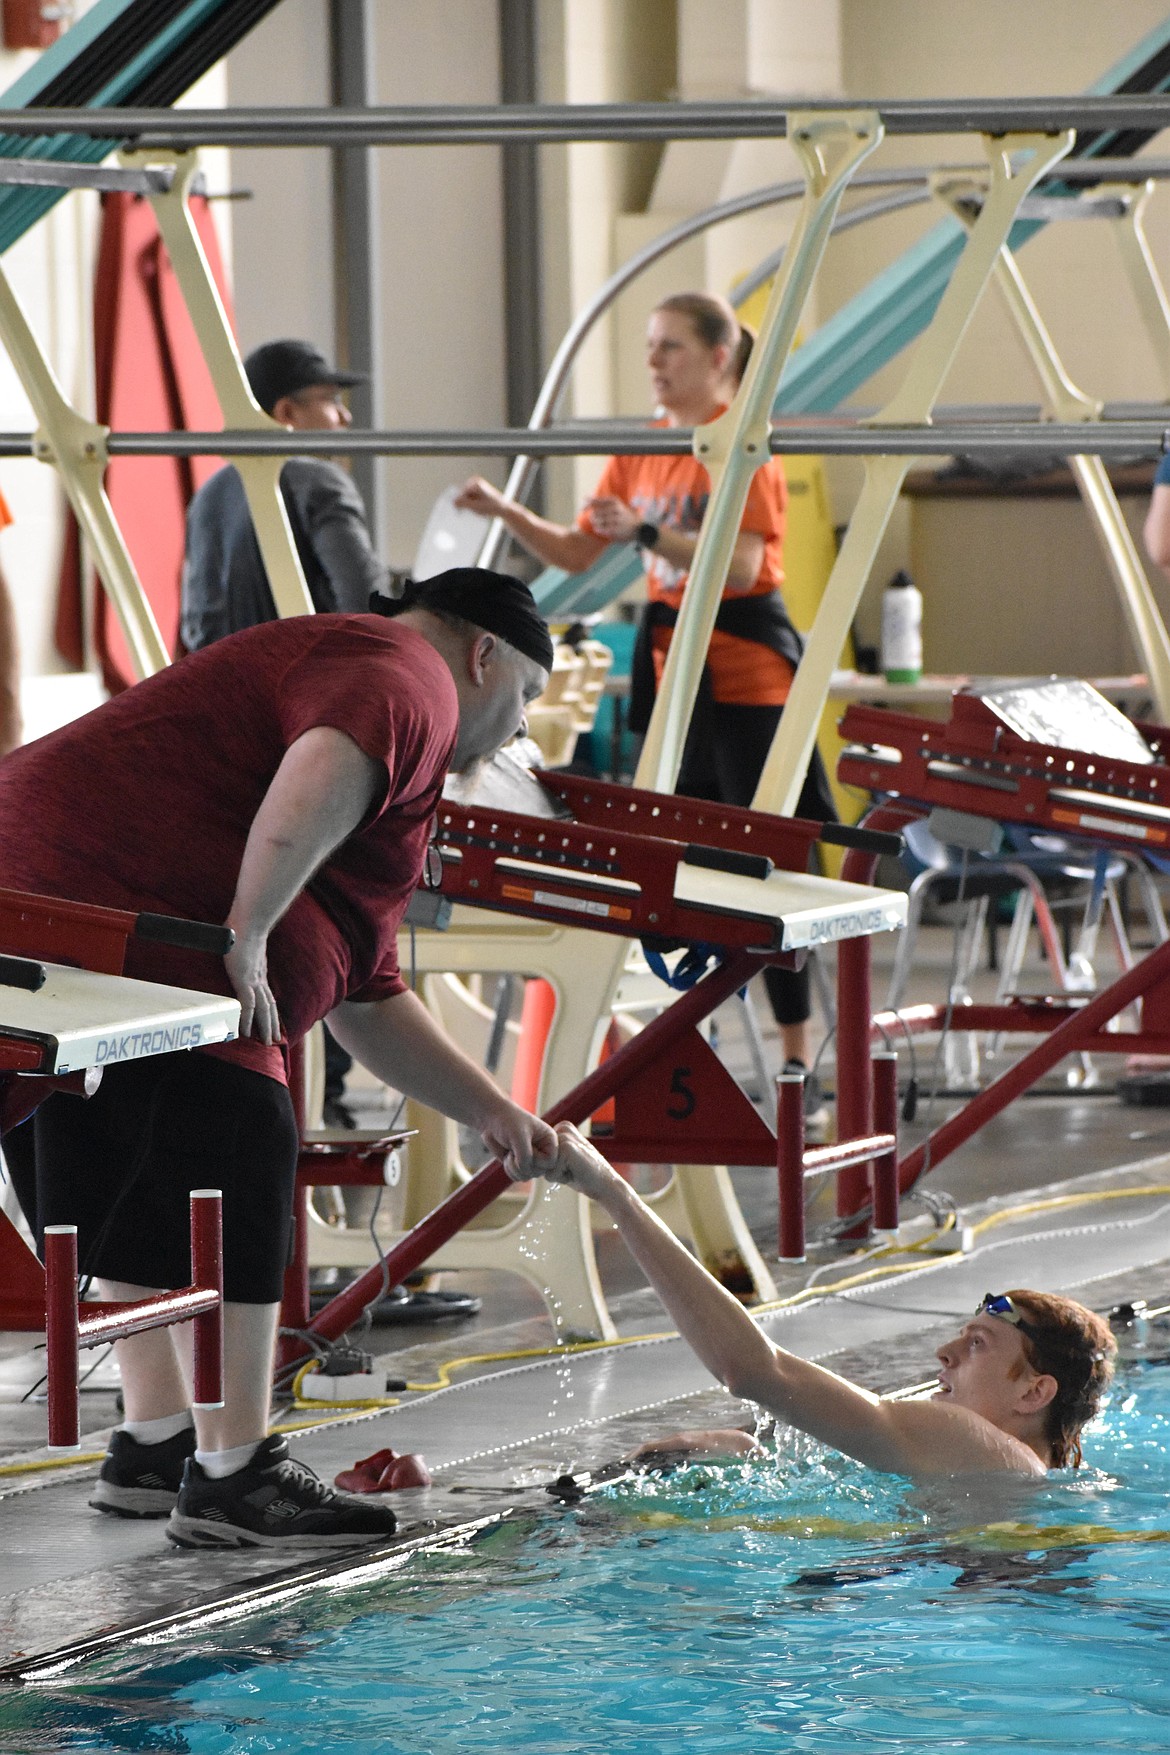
[
  {"x": 941, "y": 1440},
  {"x": 919, "y": 1439}
]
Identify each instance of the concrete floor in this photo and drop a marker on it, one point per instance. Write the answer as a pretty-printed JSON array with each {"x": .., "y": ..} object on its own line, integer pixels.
[{"x": 89, "y": 1575}]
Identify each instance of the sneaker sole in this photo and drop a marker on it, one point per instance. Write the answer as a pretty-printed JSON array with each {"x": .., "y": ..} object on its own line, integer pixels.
[
  {"x": 118, "y": 1501},
  {"x": 200, "y": 1532}
]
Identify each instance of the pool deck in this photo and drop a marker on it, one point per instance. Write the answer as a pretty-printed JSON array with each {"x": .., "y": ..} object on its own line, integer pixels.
[{"x": 498, "y": 1435}]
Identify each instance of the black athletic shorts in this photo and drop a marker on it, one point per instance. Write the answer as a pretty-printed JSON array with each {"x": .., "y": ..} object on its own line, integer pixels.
[
  {"x": 727, "y": 745},
  {"x": 120, "y": 1165}
]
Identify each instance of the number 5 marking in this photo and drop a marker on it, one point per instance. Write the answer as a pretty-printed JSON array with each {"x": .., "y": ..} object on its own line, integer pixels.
[{"x": 685, "y": 1108}]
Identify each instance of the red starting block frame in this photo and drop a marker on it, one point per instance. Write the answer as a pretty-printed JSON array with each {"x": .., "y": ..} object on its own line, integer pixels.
[
  {"x": 66, "y": 1330},
  {"x": 611, "y": 866},
  {"x": 975, "y": 764},
  {"x": 674, "y": 1102},
  {"x": 96, "y": 939}
]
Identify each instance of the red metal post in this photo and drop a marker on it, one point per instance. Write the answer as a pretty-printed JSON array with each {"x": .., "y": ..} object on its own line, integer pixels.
[
  {"x": 884, "y": 1170},
  {"x": 295, "y": 1307},
  {"x": 790, "y": 1164},
  {"x": 855, "y": 1116},
  {"x": 854, "y": 1095},
  {"x": 207, "y": 1274},
  {"x": 61, "y": 1336},
  {"x": 1068, "y": 1038}
]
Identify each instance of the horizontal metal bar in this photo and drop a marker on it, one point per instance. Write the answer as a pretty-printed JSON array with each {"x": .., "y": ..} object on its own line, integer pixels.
[
  {"x": 493, "y": 124},
  {"x": 821, "y": 1160},
  {"x": 1111, "y": 439},
  {"x": 1060, "y": 207},
  {"x": 114, "y": 1322},
  {"x": 52, "y": 173},
  {"x": 1116, "y": 440}
]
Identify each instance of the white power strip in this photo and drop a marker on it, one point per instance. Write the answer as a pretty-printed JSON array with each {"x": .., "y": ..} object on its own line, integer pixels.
[{"x": 359, "y": 1386}]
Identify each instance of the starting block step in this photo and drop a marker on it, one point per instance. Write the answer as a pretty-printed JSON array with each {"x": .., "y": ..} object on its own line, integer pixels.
[
  {"x": 811, "y": 910},
  {"x": 80, "y": 1018}
]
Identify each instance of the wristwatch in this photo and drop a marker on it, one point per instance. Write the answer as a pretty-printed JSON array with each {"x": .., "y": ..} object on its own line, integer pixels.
[{"x": 646, "y": 535}]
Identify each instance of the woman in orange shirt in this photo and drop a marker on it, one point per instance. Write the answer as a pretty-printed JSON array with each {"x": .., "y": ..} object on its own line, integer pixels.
[{"x": 696, "y": 351}]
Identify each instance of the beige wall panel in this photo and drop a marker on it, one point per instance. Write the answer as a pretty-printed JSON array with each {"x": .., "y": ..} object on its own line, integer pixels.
[
  {"x": 1019, "y": 587},
  {"x": 440, "y": 217},
  {"x": 1038, "y": 557},
  {"x": 442, "y": 264},
  {"x": 282, "y": 238}
]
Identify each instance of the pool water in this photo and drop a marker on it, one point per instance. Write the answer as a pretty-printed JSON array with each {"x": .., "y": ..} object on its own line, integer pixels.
[{"x": 801, "y": 1603}]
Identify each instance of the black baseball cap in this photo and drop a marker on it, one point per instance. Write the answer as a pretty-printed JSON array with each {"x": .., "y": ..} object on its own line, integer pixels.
[
  {"x": 281, "y": 368},
  {"x": 498, "y": 602}
]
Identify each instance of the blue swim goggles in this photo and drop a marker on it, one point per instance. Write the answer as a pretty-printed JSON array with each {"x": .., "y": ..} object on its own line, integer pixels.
[{"x": 999, "y": 1304}]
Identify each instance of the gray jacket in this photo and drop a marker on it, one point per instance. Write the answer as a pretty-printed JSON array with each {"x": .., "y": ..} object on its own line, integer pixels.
[{"x": 225, "y": 586}]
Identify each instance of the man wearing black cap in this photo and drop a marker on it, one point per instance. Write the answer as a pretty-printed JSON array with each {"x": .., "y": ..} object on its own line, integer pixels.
[
  {"x": 284, "y": 781},
  {"x": 225, "y": 586}
]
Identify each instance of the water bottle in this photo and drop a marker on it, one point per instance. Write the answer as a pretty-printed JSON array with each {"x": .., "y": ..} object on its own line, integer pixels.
[{"x": 902, "y": 630}]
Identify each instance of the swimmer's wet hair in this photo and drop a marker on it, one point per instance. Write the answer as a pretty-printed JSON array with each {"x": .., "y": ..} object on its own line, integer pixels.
[{"x": 1077, "y": 1347}]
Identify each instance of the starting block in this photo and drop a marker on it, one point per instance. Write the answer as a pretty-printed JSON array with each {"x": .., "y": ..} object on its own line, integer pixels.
[
  {"x": 1051, "y": 754},
  {"x": 61, "y": 1023},
  {"x": 562, "y": 851}
]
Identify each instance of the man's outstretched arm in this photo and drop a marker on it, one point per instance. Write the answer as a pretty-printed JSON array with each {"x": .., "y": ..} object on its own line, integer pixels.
[{"x": 399, "y": 1042}]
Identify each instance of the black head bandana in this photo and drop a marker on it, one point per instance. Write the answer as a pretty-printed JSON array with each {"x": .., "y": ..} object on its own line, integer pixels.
[{"x": 496, "y": 602}]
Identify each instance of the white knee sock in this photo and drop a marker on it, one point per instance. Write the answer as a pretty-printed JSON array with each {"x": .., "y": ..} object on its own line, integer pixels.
[
  {"x": 158, "y": 1431},
  {"x": 218, "y": 1464}
]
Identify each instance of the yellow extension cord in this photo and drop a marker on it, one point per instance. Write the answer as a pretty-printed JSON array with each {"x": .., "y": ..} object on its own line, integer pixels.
[{"x": 355, "y": 1409}]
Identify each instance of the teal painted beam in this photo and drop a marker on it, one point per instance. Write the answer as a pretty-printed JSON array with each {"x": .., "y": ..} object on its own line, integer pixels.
[{"x": 117, "y": 34}]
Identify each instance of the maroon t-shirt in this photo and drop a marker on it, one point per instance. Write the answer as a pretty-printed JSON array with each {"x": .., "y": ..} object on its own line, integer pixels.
[{"x": 146, "y": 803}]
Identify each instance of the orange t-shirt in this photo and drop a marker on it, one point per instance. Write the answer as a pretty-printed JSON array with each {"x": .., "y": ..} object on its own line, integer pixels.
[
  {"x": 673, "y": 492},
  {"x": 5, "y": 515}
]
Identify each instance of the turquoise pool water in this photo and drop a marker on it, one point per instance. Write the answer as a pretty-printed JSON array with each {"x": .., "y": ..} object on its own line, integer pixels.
[{"x": 803, "y": 1604}]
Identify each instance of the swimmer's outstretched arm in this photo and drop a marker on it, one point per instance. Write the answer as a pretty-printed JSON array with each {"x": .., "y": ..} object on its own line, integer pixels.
[{"x": 913, "y": 1438}]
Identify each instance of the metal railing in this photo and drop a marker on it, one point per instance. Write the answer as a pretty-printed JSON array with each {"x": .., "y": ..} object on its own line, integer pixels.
[{"x": 550, "y": 124}]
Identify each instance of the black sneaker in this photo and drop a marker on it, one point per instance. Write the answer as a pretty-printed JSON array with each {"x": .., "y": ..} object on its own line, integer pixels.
[
  {"x": 142, "y": 1480},
  {"x": 273, "y": 1501}
]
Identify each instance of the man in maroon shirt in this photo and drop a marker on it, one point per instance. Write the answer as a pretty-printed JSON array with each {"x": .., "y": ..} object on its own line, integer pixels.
[{"x": 283, "y": 780}]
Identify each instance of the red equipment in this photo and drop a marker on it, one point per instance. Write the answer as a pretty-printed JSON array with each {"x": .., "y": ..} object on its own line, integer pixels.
[
  {"x": 66, "y": 1329},
  {"x": 59, "y": 1021},
  {"x": 1051, "y": 755},
  {"x": 673, "y": 1100}
]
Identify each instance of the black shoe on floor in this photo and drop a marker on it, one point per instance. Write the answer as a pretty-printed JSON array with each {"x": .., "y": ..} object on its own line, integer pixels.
[
  {"x": 142, "y": 1480},
  {"x": 402, "y": 1304},
  {"x": 273, "y": 1501}
]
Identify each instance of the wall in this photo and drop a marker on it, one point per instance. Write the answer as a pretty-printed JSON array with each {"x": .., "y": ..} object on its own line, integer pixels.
[
  {"x": 440, "y": 208},
  {"x": 440, "y": 221}
]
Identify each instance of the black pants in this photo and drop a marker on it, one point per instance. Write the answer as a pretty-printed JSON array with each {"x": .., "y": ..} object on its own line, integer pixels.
[
  {"x": 120, "y": 1165},
  {"x": 726, "y": 748}
]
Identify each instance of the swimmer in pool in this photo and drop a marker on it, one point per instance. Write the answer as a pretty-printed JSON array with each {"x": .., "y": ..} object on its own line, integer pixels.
[{"x": 1015, "y": 1386}]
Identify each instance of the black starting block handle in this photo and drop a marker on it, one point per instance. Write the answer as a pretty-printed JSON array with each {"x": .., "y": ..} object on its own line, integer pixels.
[
  {"x": 753, "y": 865},
  {"x": 865, "y": 840},
  {"x": 186, "y": 935},
  {"x": 22, "y": 972}
]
